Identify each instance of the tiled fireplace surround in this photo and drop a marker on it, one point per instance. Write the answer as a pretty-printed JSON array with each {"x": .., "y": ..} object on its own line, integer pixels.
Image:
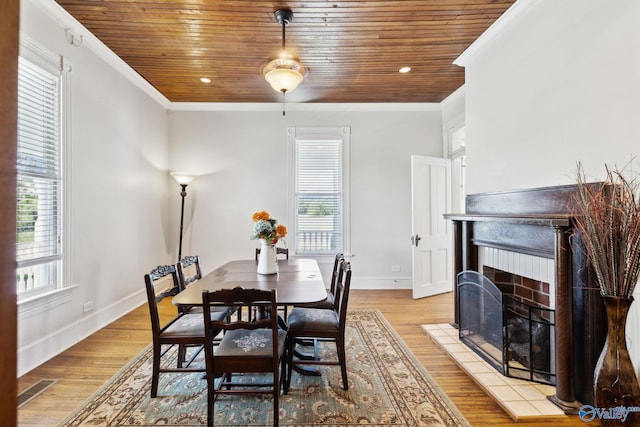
[
  {"x": 526, "y": 233},
  {"x": 536, "y": 292}
]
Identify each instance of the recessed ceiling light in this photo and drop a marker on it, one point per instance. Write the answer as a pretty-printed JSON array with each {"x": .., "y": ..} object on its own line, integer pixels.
[
  {"x": 205, "y": 80},
  {"x": 405, "y": 69}
]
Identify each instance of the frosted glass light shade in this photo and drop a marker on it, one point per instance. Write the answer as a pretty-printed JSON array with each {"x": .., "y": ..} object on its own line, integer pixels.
[
  {"x": 182, "y": 178},
  {"x": 283, "y": 79}
]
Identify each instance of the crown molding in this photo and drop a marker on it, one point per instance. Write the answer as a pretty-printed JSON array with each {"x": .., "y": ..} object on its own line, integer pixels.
[
  {"x": 506, "y": 20},
  {"x": 302, "y": 106}
]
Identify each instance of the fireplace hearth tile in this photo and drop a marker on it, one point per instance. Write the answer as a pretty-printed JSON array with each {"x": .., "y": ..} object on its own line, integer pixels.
[
  {"x": 466, "y": 357},
  {"x": 544, "y": 406},
  {"x": 547, "y": 390},
  {"x": 447, "y": 339},
  {"x": 528, "y": 391},
  {"x": 478, "y": 367},
  {"x": 522, "y": 400},
  {"x": 456, "y": 347},
  {"x": 505, "y": 393},
  {"x": 439, "y": 332},
  {"x": 491, "y": 379},
  {"x": 515, "y": 381},
  {"x": 522, "y": 409}
]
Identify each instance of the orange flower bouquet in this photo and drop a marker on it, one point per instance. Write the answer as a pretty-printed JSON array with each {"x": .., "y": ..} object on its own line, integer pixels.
[{"x": 267, "y": 228}]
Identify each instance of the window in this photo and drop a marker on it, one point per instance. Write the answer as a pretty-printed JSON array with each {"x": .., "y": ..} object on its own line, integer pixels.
[
  {"x": 319, "y": 191},
  {"x": 39, "y": 166}
]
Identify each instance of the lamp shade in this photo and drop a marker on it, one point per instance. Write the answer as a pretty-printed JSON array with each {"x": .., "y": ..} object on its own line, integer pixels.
[
  {"x": 283, "y": 79},
  {"x": 182, "y": 178}
]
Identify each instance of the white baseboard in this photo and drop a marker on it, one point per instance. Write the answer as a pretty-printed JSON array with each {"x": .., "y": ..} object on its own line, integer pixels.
[
  {"x": 358, "y": 282},
  {"x": 40, "y": 351}
]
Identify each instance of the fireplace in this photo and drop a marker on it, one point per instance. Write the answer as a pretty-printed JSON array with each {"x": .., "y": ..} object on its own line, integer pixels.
[
  {"x": 532, "y": 228},
  {"x": 513, "y": 334}
]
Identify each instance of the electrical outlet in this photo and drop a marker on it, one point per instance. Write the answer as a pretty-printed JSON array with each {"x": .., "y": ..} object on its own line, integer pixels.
[
  {"x": 88, "y": 306},
  {"x": 395, "y": 268}
]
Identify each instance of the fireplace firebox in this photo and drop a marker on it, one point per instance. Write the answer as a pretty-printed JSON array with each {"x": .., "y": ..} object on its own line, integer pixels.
[{"x": 515, "y": 337}]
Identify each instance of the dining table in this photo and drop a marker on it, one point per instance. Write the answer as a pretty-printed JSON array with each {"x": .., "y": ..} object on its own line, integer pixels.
[{"x": 297, "y": 282}]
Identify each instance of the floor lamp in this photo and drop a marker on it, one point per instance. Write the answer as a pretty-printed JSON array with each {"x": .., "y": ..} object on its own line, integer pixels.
[{"x": 183, "y": 179}]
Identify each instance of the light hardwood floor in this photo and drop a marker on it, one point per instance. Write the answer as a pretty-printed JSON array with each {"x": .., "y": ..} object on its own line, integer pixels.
[{"x": 89, "y": 364}]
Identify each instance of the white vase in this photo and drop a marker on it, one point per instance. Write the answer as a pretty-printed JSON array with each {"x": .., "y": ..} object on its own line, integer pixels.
[{"x": 267, "y": 261}]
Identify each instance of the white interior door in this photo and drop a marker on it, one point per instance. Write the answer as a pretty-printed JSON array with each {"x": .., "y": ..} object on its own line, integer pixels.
[{"x": 431, "y": 236}]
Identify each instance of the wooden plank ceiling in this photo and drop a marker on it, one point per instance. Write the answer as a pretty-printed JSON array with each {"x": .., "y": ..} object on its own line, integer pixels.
[{"x": 351, "y": 50}]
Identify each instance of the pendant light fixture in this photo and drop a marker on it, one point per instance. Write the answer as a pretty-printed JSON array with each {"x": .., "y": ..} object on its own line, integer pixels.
[{"x": 283, "y": 73}]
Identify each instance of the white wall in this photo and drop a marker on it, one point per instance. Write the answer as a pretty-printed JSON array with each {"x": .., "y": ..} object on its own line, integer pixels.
[
  {"x": 560, "y": 84},
  {"x": 242, "y": 159},
  {"x": 118, "y": 191}
]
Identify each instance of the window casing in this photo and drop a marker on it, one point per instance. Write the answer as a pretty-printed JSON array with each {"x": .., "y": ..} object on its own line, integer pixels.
[
  {"x": 457, "y": 154},
  {"x": 319, "y": 184},
  {"x": 39, "y": 227}
]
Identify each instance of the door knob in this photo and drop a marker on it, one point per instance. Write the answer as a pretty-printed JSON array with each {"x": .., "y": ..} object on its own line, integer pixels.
[{"x": 415, "y": 239}]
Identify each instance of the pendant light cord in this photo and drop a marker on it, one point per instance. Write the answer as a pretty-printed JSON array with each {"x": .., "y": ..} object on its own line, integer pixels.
[
  {"x": 284, "y": 49},
  {"x": 284, "y": 25}
]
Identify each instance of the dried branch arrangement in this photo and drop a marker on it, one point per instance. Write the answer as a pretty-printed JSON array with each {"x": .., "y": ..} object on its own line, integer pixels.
[{"x": 607, "y": 216}]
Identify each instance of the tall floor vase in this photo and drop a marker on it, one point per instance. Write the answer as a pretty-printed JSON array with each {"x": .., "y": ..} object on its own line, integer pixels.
[
  {"x": 267, "y": 261},
  {"x": 615, "y": 381}
]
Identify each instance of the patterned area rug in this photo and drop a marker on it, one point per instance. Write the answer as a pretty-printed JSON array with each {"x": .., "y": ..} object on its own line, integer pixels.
[{"x": 387, "y": 386}]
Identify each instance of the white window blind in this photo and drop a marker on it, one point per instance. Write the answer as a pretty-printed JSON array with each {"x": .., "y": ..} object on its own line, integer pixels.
[
  {"x": 319, "y": 169},
  {"x": 39, "y": 198}
]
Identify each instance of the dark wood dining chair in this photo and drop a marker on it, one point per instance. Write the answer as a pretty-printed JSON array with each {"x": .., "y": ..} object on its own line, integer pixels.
[
  {"x": 330, "y": 301},
  {"x": 188, "y": 270},
  {"x": 185, "y": 330},
  {"x": 279, "y": 251},
  {"x": 320, "y": 324},
  {"x": 247, "y": 346}
]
